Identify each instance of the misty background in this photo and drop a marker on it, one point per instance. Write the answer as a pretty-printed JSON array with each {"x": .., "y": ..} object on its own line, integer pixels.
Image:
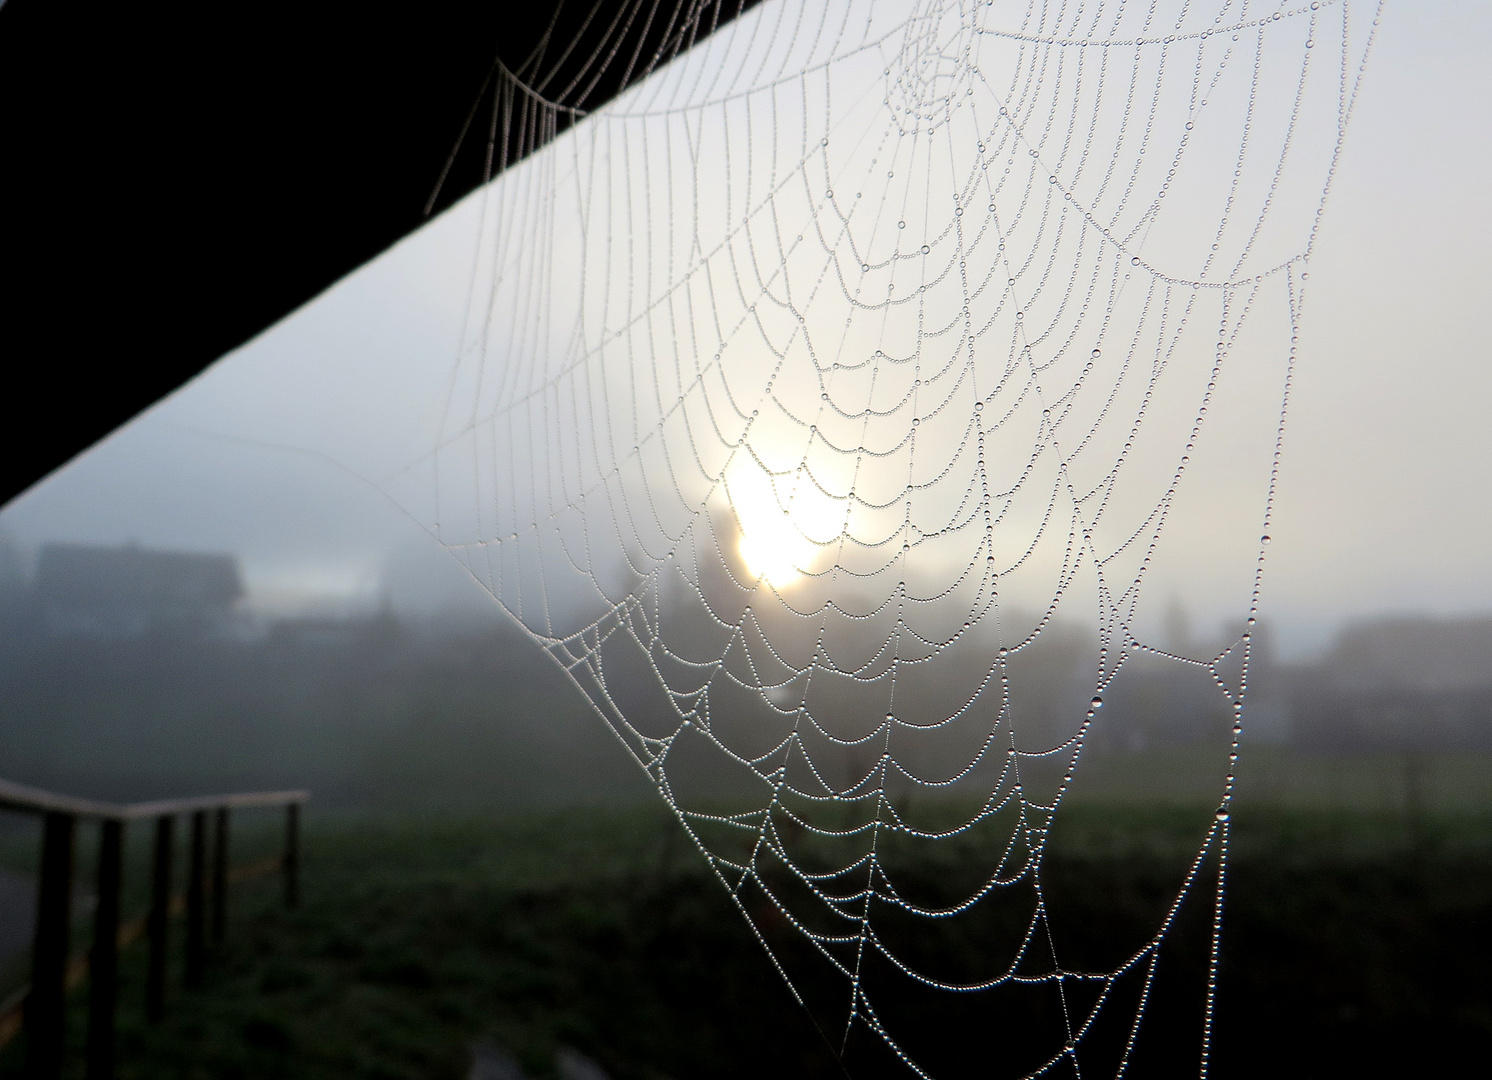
[
  {"x": 132, "y": 673},
  {"x": 355, "y": 650},
  {"x": 355, "y": 655},
  {"x": 1387, "y": 447},
  {"x": 212, "y": 599}
]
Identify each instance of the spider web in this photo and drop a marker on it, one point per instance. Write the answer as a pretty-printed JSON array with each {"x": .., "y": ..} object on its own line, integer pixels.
[{"x": 847, "y": 376}]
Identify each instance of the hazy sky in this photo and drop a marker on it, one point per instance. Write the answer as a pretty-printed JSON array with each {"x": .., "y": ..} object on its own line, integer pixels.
[{"x": 1388, "y": 455}]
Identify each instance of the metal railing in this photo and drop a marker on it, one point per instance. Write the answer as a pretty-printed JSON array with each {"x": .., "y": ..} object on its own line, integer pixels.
[{"x": 40, "y": 1008}]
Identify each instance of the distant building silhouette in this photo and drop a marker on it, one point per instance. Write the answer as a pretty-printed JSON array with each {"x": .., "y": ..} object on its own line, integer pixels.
[
  {"x": 13, "y": 594},
  {"x": 123, "y": 592},
  {"x": 1409, "y": 683}
]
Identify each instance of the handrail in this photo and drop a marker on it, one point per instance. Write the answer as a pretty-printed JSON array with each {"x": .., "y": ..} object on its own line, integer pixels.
[
  {"x": 53, "y": 971},
  {"x": 22, "y": 798},
  {"x": 79, "y": 964}
]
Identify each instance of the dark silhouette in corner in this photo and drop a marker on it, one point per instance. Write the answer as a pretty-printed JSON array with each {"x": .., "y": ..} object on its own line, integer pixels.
[{"x": 180, "y": 176}]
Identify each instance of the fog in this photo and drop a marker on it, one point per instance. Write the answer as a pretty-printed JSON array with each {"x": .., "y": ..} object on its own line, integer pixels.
[
  {"x": 368, "y": 457},
  {"x": 867, "y": 451},
  {"x": 1385, "y": 450}
]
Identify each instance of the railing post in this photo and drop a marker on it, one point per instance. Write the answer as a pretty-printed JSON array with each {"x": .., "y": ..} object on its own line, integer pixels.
[
  {"x": 196, "y": 912},
  {"x": 103, "y": 960},
  {"x": 292, "y": 854},
  {"x": 220, "y": 877},
  {"x": 45, "y": 1007},
  {"x": 160, "y": 920}
]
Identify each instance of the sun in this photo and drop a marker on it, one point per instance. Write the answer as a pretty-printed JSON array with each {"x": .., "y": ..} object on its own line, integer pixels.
[
  {"x": 770, "y": 557},
  {"x": 776, "y": 542}
]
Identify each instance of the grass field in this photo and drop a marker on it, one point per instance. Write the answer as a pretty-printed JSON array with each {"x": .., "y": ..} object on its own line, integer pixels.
[{"x": 1355, "y": 942}]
